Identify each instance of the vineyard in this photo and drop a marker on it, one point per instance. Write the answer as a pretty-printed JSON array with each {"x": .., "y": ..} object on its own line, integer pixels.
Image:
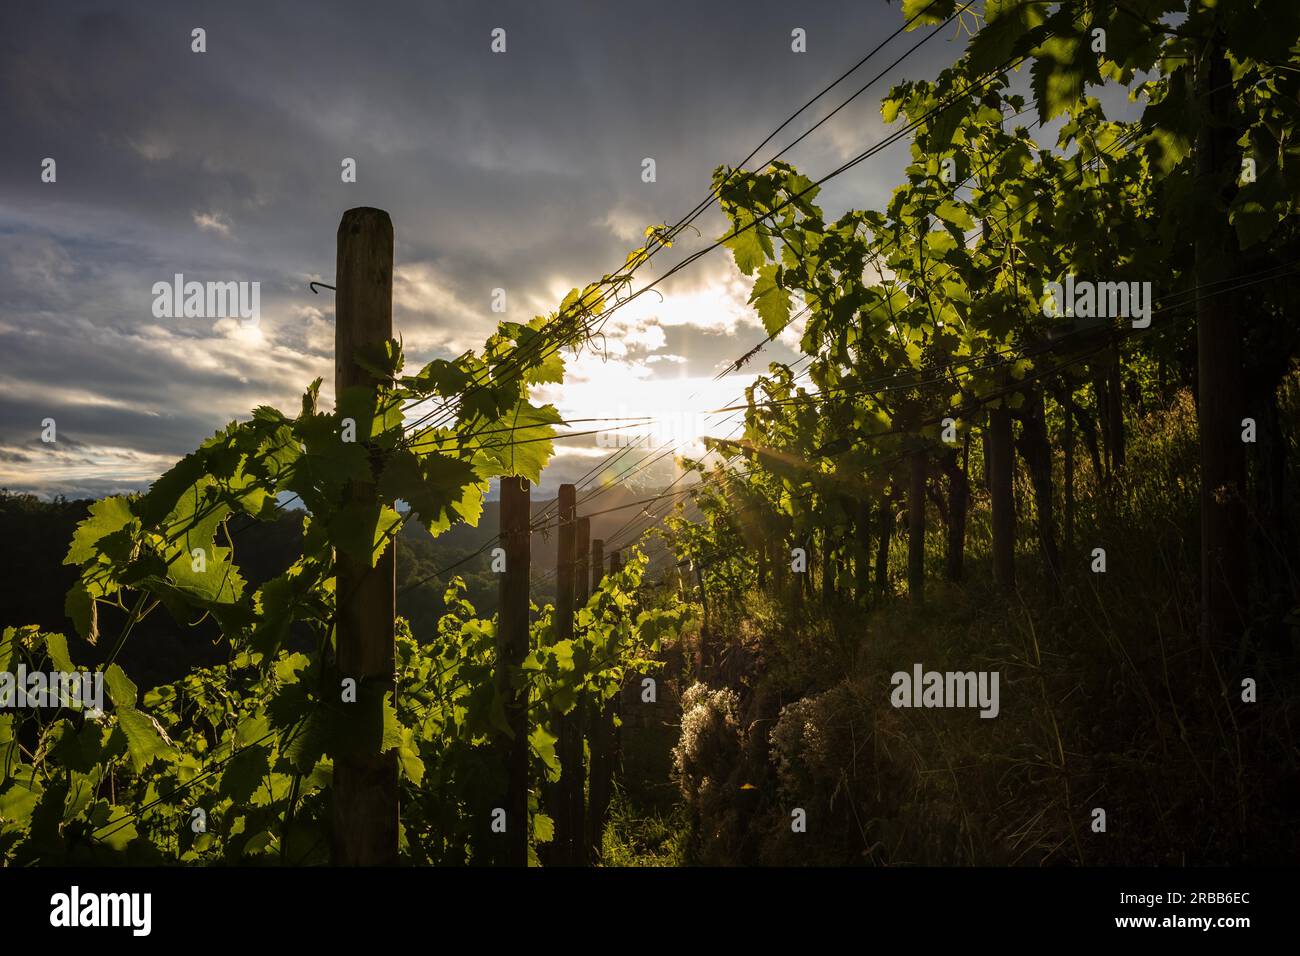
[{"x": 1040, "y": 440}]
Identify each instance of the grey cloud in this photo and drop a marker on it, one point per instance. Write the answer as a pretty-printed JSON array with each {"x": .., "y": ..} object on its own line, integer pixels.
[{"x": 498, "y": 170}]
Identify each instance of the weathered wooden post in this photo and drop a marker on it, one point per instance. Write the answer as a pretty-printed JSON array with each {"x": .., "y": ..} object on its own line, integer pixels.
[
  {"x": 602, "y": 742},
  {"x": 616, "y": 703},
  {"x": 578, "y": 796},
  {"x": 582, "y": 564},
  {"x": 512, "y": 648},
  {"x": 570, "y": 729},
  {"x": 365, "y": 783},
  {"x": 597, "y": 564},
  {"x": 598, "y": 741}
]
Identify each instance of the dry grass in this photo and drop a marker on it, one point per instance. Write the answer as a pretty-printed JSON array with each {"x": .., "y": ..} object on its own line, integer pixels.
[{"x": 1107, "y": 701}]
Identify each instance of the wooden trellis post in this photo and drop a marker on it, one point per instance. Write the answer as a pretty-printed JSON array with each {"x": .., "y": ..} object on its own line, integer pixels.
[
  {"x": 568, "y": 832},
  {"x": 581, "y": 577},
  {"x": 597, "y": 564},
  {"x": 365, "y": 812},
  {"x": 512, "y": 648},
  {"x": 602, "y": 733},
  {"x": 615, "y": 704},
  {"x": 578, "y": 796},
  {"x": 596, "y": 739}
]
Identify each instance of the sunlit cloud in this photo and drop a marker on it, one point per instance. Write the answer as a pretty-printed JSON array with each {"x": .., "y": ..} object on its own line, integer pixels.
[
  {"x": 520, "y": 172},
  {"x": 213, "y": 222},
  {"x": 75, "y": 469}
]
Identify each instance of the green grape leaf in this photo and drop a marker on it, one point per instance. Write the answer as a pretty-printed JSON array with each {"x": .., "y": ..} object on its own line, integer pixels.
[
  {"x": 441, "y": 377},
  {"x": 164, "y": 494},
  {"x": 1253, "y": 223},
  {"x": 121, "y": 690},
  {"x": 19, "y": 801},
  {"x": 927, "y": 12},
  {"x": 408, "y": 754},
  {"x": 114, "y": 826},
  {"x": 771, "y": 301},
  {"x": 308, "y": 743},
  {"x": 436, "y": 486},
  {"x": 524, "y": 449},
  {"x": 544, "y": 361},
  {"x": 146, "y": 741},
  {"x": 218, "y": 582},
  {"x": 381, "y": 359},
  {"x": 56, "y": 646},
  {"x": 244, "y": 773},
  {"x": 1063, "y": 65},
  {"x": 955, "y": 214},
  {"x": 543, "y": 828},
  {"x": 82, "y": 750},
  {"x": 377, "y": 416},
  {"x": 82, "y": 610},
  {"x": 327, "y": 464},
  {"x": 362, "y": 530},
  {"x": 749, "y": 247},
  {"x": 1007, "y": 24},
  {"x": 543, "y": 743},
  {"x": 107, "y": 516}
]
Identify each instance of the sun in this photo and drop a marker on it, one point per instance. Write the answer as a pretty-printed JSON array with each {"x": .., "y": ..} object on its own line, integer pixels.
[{"x": 649, "y": 407}]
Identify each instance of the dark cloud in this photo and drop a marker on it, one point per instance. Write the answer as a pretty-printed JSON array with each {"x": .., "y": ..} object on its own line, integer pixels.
[{"x": 519, "y": 171}]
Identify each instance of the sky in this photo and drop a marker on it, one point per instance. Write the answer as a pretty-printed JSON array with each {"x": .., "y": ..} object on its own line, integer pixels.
[{"x": 519, "y": 170}]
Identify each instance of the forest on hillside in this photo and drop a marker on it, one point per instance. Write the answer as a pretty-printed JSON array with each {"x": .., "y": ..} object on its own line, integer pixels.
[{"x": 1002, "y": 570}]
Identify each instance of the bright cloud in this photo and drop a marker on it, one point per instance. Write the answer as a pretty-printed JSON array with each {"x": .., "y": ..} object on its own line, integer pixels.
[{"x": 213, "y": 222}]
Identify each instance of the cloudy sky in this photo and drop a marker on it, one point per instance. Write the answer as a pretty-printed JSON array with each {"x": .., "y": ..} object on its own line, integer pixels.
[{"x": 519, "y": 170}]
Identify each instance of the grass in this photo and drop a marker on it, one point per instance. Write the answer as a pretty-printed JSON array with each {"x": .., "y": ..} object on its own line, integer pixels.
[
  {"x": 1108, "y": 705},
  {"x": 638, "y": 837}
]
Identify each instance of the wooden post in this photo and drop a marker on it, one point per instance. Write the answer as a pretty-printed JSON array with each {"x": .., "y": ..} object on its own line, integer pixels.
[
  {"x": 365, "y": 813},
  {"x": 581, "y": 577},
  {"x": 615, "y": 707},
  {"x": 601, "y": 735},
  {"x": 512, "y": 648},
  {"x": 578, "y": 796},
  {"x": 597, "y": 564},
  {"x": 593, "y": 718},
  {"x": 570, "y": 729}
]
